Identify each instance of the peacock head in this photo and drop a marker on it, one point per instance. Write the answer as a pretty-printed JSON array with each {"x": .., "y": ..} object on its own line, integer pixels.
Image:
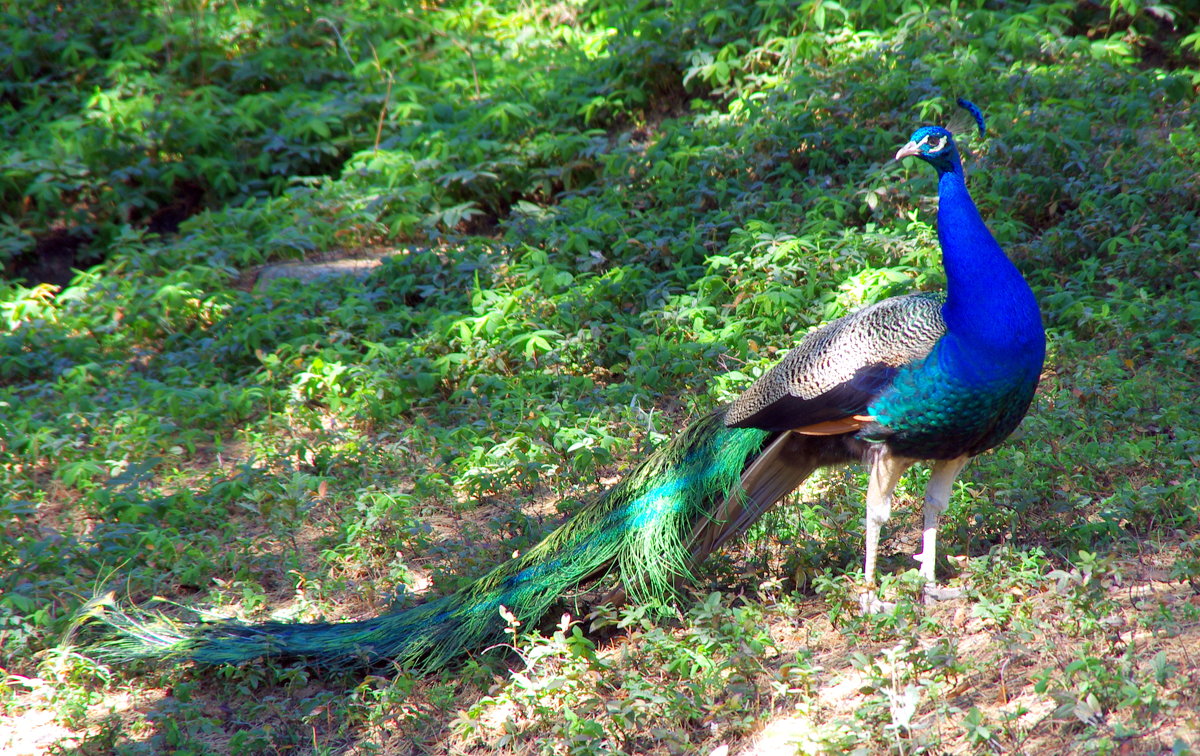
[{"x": 934, "y": 145}]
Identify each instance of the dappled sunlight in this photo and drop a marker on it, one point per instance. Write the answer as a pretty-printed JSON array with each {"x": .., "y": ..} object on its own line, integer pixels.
[
  {"x": 316, "y": 311},
  {"x": 40, "y": 714}
]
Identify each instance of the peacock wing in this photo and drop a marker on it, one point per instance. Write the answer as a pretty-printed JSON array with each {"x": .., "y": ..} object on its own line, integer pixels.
[{"x": 838, "y": 369}]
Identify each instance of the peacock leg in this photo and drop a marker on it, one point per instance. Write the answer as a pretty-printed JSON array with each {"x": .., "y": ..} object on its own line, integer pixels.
[
  {"x": 937, "y": 498},
  {"x": 885, "y": 472}
]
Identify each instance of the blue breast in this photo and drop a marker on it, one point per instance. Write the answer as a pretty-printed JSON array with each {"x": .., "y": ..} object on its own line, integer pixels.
[{"x": 953, "y": 402}]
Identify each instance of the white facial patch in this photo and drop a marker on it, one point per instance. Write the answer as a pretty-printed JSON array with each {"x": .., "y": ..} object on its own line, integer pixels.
[{"x": 934, "y": 142}]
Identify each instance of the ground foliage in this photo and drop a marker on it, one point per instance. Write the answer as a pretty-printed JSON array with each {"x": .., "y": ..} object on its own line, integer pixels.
[{"x": 601, "y": 218}]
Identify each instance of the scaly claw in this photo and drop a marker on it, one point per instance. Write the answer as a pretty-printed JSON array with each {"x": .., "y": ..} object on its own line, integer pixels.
[
  {"x": 941, "y": 593},
  {"x": 869, "y": 603}
]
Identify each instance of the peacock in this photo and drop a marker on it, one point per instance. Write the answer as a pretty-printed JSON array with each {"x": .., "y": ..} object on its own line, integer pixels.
[{"x": 913, "y": 378}]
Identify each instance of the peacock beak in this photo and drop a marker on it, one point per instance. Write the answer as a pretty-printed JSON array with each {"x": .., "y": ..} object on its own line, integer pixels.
[{"x": 907, "y": 150}]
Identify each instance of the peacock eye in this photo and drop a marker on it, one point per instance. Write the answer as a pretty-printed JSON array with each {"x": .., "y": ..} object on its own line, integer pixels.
[{"x": 936, "y": 144}]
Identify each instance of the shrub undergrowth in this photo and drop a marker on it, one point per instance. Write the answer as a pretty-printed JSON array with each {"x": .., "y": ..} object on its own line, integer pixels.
[{"x": 596, "y": 219}]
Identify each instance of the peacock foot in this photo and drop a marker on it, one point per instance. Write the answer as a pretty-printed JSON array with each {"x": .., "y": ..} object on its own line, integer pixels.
[
  {"x": 870, "y": 603},
  {"x": 934, "y": 593}
]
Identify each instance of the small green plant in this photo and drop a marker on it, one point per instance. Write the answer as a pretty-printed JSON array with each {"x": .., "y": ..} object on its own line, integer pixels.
[
  {"x": 1187, "y": 566},
  {"x": 1115, "y": 701},
  {"x": 1087, "y": 589},
  {"x": 77, "y": 683}
]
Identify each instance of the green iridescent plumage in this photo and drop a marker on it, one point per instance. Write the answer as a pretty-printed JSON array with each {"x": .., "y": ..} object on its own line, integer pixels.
[{"x": 641, "y": 528}]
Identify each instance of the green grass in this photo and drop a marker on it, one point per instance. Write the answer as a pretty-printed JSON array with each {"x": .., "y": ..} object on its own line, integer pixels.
[{"x": 601, "y": 219}]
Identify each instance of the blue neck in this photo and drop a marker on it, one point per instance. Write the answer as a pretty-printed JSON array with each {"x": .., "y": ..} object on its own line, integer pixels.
[{"x": 988, "y": 304}]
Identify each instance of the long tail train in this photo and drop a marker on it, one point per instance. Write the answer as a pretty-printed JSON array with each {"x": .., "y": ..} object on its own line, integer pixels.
[{"x": 670, "y": 511}]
